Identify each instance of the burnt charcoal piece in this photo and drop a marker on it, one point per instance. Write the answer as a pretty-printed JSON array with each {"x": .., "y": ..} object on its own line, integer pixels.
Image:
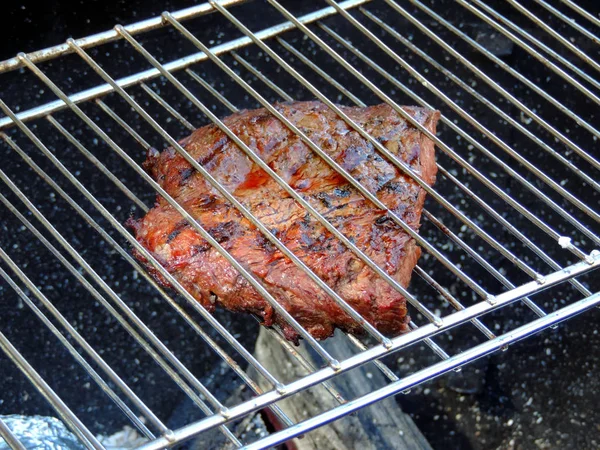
[{"x": 212, "y": 280}]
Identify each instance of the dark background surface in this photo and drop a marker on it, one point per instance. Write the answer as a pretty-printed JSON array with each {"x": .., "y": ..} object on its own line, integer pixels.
[{"x": 542, "y": 393}]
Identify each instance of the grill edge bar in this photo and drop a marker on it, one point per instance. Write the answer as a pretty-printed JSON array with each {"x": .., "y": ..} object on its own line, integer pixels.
[{"x": 181, "y": 63}]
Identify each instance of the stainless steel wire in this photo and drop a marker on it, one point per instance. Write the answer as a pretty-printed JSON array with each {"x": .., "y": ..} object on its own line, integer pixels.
[
  {"x": 565, "y": 76},
  {"x": 217, "y": 415},
  {"x": 575, "y": 7},
  {"x": 569, "y": 20},
  {"x": 531, "y": 85}
]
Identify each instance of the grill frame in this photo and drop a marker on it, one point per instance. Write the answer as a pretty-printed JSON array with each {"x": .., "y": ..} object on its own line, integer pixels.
[{"x": 437, "y": 325}]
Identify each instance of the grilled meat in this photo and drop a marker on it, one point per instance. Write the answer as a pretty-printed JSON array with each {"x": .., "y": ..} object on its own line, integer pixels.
[{"x": 212, "y": 280}]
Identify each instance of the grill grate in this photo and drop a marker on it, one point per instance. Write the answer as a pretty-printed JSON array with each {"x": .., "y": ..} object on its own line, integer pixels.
[{"x": 530, "y": 206}]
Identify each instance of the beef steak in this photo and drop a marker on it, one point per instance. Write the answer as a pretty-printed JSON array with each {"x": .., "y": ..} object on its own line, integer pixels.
[{"x": 212, "y": 280}]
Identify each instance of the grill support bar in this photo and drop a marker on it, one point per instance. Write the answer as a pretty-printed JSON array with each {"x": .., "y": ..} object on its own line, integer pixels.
[
  {"x": 430, "y": 373},
  {"x": 405, "y": 340}
]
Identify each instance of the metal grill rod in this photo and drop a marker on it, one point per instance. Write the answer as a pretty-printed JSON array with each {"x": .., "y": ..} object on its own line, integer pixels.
[
  {"x": 401, "y": 342},
  {"x": 431, "y": 372},
  {"x": 532, "y": 168},
  {"x": 65, "y": 413},
  {"x": 168, "y": 107},
  {"x": 241, "y": 350},
  {"x": 430, "y": 316},
  {"x": 388, "y": 100},
  {"x": 9, "y": 437},
  {"x": 505, "y": 252},
  {"x": 186, "y": 215},
  {"x": 145, "y": 330},
  {"x": 139, "y": 269},
  {"x": 115, "y": 378},
  {"x": 569, "y": 20},
  {"x": 115, "y": 117},
  {"x": 260, "y": 76},
  {"x": 565, "y": 42},
  {"x": 177, "y": 64},
  {"x": 561, "y": 107},
  {"x": 457, "y": 80},
  {"x": 583, "y": 12},
  {"x": 565, "y": 76},
  {"x": 449, "y": 123}
]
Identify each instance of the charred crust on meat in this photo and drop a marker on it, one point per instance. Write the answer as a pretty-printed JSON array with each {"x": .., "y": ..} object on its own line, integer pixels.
[
  {"x": 324, "y": 198},
  {"x": 342, "y": 192},
  {"x": 204, "y": 272},
  {"x": 225, "y": 231},
  {"x": 186, "y": 173}
]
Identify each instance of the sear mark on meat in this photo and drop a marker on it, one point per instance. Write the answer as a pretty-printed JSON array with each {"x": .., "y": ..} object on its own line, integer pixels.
[{"x": 211, "y": 279}]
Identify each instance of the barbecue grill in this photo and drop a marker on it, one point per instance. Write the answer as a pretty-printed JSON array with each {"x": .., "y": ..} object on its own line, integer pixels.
[{"x": 510, "y": 231}]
